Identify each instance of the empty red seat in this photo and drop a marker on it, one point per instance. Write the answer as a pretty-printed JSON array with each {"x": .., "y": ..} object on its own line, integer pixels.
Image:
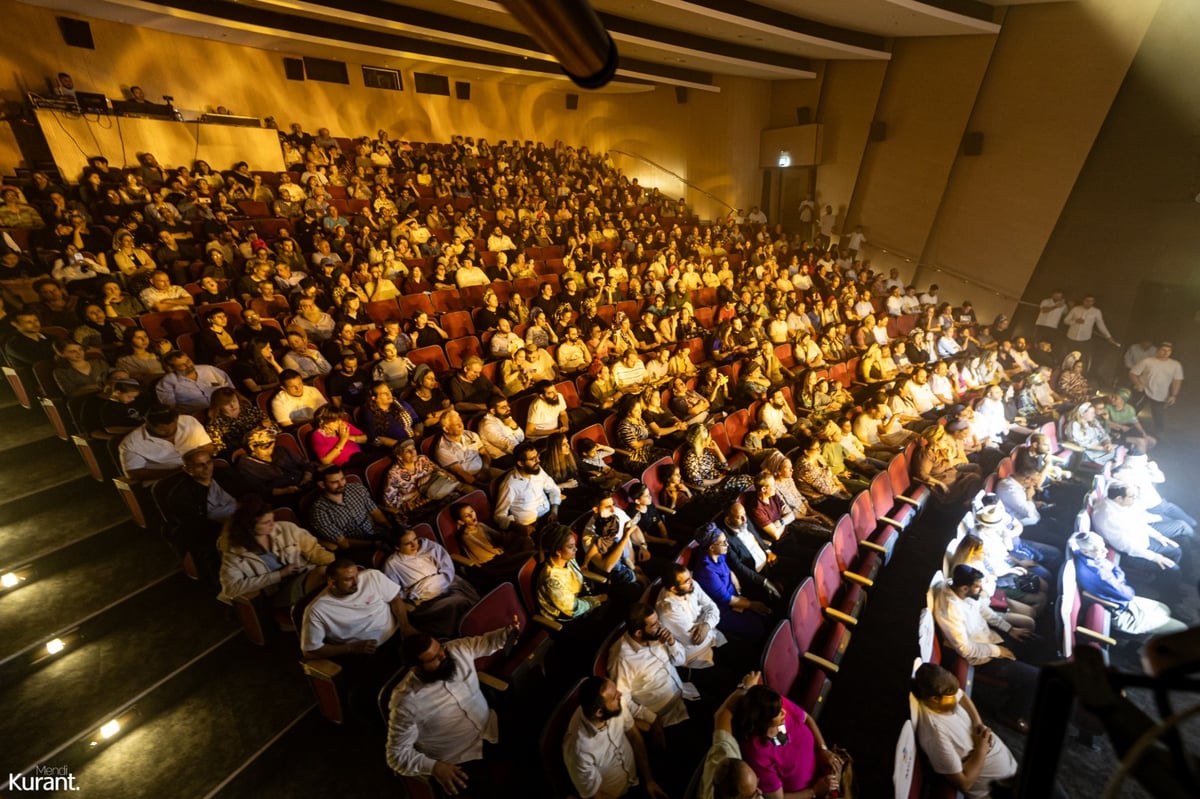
[
  {"x": 433, "y": 356},
  {"x": 460, "y": 349},
  {"x": 842, "y": 599}
]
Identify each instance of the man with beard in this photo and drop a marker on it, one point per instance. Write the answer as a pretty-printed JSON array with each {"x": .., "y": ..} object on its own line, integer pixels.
[
  {"x": 603, "y": 750},
  {"x": 499, "y": 431},
  {"x": 691, "y": 616},
  {"x": 573, "y": 355},
  {"x": 528, "y": 498},
  {"x": 439, "y": 719},
  {"x": 344, "y": 515},
  {"x": 781, "y": 420},
  {"x": 547, "y": 413}
]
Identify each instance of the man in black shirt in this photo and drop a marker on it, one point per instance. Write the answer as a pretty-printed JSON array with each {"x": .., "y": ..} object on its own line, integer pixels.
[
  {"x": 347, "y": 384},
  {"x": 469, "y": 390}
]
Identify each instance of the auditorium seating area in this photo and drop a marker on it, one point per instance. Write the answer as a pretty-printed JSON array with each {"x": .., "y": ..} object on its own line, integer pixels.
[{"x": 569, "y": 216}]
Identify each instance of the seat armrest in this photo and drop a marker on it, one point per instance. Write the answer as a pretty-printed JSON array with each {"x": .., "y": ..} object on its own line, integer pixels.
[
  {"x": 827, "y": 665},
  {"x": 891, "y": 521},
  {"x": 871, "y": 545},
  {"x": 1106, "y": 603},
  {"x": 1104, "y": 639},
  {"x": 492, "y": 682},
  {"x": 320, "y": 667},
  {"x": 865, "y": 582},
  {"x": 907, "y": 500},
  {"x": 461, "y": 560},
  {"x": 548, "y": 623},
  {"x": 844, "y": 618}
]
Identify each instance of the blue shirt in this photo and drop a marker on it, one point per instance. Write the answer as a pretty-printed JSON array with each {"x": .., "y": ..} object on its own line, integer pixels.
[
  {"x": 714, "y": 577},
  {"x": 1100, "y": 577}
]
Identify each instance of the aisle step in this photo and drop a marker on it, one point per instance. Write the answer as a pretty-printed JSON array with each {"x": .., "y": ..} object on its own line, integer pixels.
[
  {"x": 19, "y": 426},
  {"x": 27, "y": 469},
  {"x": 297, "y": 764},
  {"x": 38, "y": 525},
  {"x": 80, "y": 581},
  {"x": 111, "y": 659},
  {"x": 199, "y": 726}
]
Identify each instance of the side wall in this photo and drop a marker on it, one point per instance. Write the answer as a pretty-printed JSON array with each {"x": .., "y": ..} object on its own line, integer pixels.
[{"x": 712, "y": 140}]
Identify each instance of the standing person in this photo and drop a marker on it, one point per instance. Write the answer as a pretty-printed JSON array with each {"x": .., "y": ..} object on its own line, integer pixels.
[
  {"x": 1050, "y": 314},
  {"x": 1083, "y": 321},
  {"x": 1159, "y": 379}
]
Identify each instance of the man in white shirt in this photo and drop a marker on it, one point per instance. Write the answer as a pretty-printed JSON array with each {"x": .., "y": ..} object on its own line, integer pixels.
[
  {"x": 527, "y": 497},
  {"x": 357, "y": 612},
  {"x": 780, "y": 420},
  {"x": 629, "y": 373},
  {"x": 187, "y": 387},
  {"x": 642, "y": 663},
  {"x": 1083, "y": 321},
  {"x": 691, "y": 616},
  {"x": 547, "y": 412},
  {"x": 573, "y": 355},
  {"x": 603, "y": 750},
  {"x": 895, "y": 302},
  {"x": 940, "y": 385},
  {"x": 500, "y": 242},
  {"x": 541, "y": 364},
  {"x": 468, "y": 274},
  {"x": 1050, "y": 314},
  {"x": 463, "y": 452},
  {"x": 438, "y": 718},
  {"x": 953, "y": 737},
  {"x": 295, "y": 403},
  {"x": 1126, "y": 528},
  {"x": 1159, "y": 379},
  {"x": 930, "y": 297},
  {"x": 656, "y": 367},
  {"x": 156, "y": 449},
  {"x": 504, "y": 342},
  {"x": 499, "y": 430},
  {"x": 1144, "y": 474},
  {"x": 160, "y": 295},
  {"x": 425, "y": 573},
  {"x": 919, "y": 393},
  {"x": 966, "y": 622}
]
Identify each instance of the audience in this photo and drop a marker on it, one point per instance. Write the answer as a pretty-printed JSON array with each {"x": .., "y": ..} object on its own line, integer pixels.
[{"x": 771, "y": 289}]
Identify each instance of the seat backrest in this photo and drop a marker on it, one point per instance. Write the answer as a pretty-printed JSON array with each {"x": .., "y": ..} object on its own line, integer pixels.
[
  {"x": 1068, "y": 607},
  {"x": 826, "y": 576},
  {"x": 413, "y": 304},
  {"x": 1004, "y": 469},
  {"x": 781, "y": 659},
  {"x": 592, "y": 432},
  {"x": 882, "y": 501},
  {"x": 567, "y": 389},
  {"x": 904, "y": 761},
  {"x": 720, "y": 435},
  {"x": 525, "y": 578},
  {"x": 457, "y": 324},
  {"x": 381, "y": 311},
  {"x": 737, "y": 424},
  {"x": 377, "y": 477},
  {"x": 925, "y": 635},
  {"x": 600, "y": 662},
  {"x": 433, "y": 356},
  {"x": 551, "y": 740},
  {"x": 898, "y": 476},
  {"x": 494, "y": 610},
  {"x": 459, "y": 349},
  {"x": 845, "y": 545},
  {"x": 805, "y": 614},
  {"x": 862, "y": 516},
  {"x": 447, "y": 527},
  {"x": 652, "y": 476}
]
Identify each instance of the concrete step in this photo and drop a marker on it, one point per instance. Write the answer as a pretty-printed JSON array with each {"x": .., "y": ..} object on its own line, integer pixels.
[
  {"x": 79, "y": 582},
  {"x": 297, "y": 764},
  {"x": 111, "y": 659},
  {"x": 36, "y": 466},
  {"x": 19, "y": 426},
  {"x": 41, "y": 524},
  {"x": 198, "y": 727}
]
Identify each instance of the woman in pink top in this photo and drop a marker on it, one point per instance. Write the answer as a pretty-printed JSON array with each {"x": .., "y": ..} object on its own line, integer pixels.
[
  {"x": 335, "y": 440},
  {"x": 784, "y": 746}
]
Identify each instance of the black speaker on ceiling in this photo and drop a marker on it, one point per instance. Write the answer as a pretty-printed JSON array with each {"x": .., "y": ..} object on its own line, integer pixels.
[
  {"x": 972, "y": 143},
  {"x": 681, "y": 95},
  {"x": 878, "y": 131},
  {"x": 293, "y": 68},
  {"x": 76, "y": 33},
  {"x": 462, "y": 90},
  {"x": 572, "y": 102},
  {"x": 803, "y": 115}
]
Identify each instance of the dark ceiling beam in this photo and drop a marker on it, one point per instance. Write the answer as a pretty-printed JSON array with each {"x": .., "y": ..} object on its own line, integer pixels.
[
  {"x": 352, "y": 35},
  {"x": 790, "y": 22},
  {"x": 701, "y": 44}
]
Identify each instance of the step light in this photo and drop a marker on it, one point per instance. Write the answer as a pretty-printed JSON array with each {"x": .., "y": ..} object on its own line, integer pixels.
[
  {"x": 64, "y": 641},
  {"x": 15, "y": 578},
  {"x": 112, "y": 728}
]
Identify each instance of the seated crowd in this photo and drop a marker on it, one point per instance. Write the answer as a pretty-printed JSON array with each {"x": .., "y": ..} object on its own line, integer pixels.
[{"x": 664, "y": 418}]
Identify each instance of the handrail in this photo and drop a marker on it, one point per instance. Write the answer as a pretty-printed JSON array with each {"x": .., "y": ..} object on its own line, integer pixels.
[
  {"x": 675, "y": 175},
  {"x": 965, "y": 278}
]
